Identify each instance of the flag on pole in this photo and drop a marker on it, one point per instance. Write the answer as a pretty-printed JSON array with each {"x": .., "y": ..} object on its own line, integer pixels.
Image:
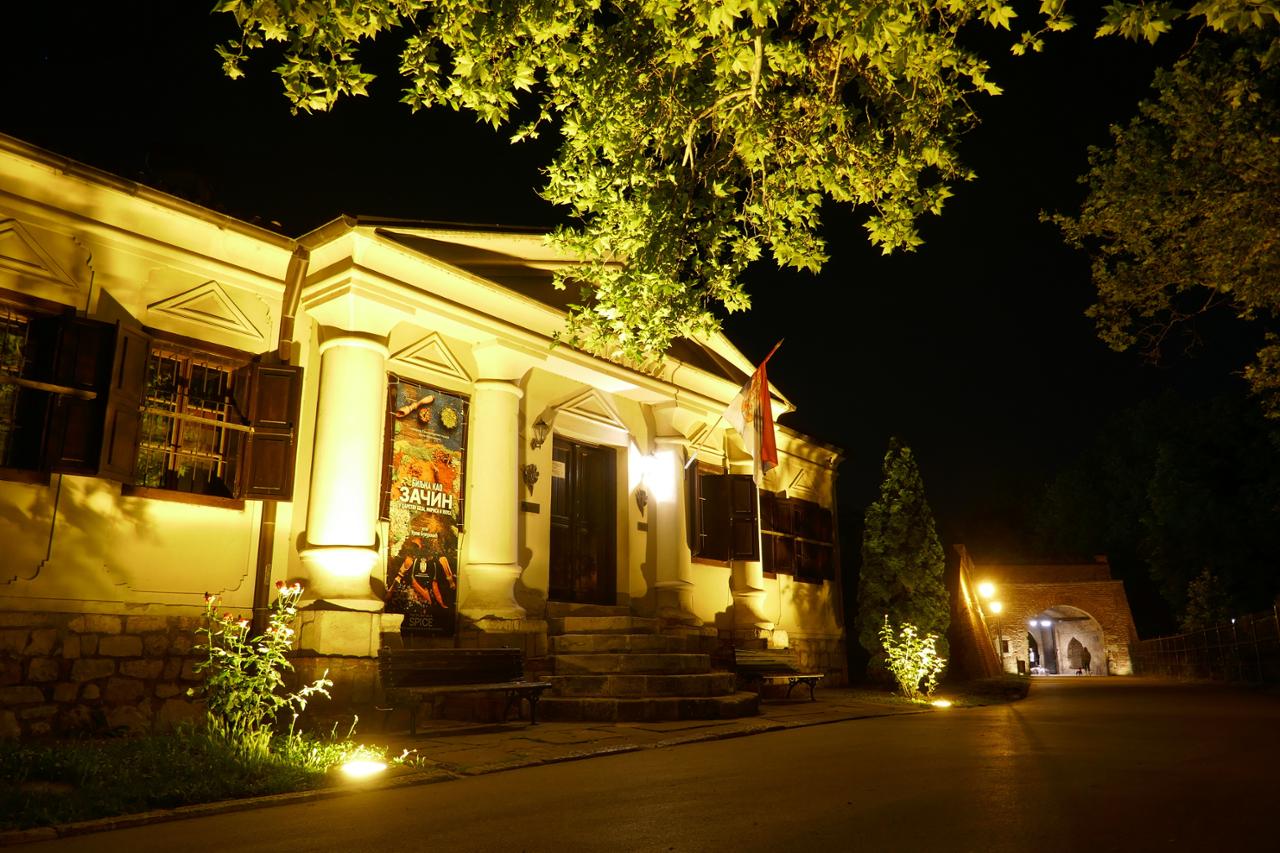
[{"x": 751, "y": 414}]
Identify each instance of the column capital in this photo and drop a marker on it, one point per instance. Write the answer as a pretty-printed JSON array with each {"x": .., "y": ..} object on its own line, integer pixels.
[
  {"x": 504, "y": 360},
  {"x": 504, "y": 386},
  {"x": 331, "y": 337}
]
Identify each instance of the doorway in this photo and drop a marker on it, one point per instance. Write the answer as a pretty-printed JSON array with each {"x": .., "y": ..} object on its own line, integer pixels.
[{"x": 583, "y": 521}]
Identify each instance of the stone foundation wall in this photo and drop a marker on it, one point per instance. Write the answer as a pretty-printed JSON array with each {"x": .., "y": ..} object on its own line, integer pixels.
[
  {"x": 67, "y": 673},
  {"x": 825, "y": 655}
]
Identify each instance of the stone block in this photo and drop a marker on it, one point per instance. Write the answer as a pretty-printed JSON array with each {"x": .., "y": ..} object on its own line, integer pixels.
[
  {"x": 40, "y": 728},
  {"x": 18, "y": 619},
  {"x": 167, "y": 690},
  {"x": 10, "y": 672},
  {"x": 87, "y": 669},
  {"x": 42, "y": 642},
  {"x": 91, "y": 692},
  {"x": 96, "y": 623},
  {"x": 143, "y": 624},
  {"x": 172, "y": 668},
  {"x": 120, "y": 646},
  {"x": 41, "y": 670},
  {"x": 65, "y": 692},
  {"x": 24, "y": 695},
  {"x": 13, "y": 640},
  {"x": 176, "y": 711},
  {"x": 124, "y": 691},
  {"x": 71, "y": 647},
  {"x": 9, "y": 727},
  {"x": 339, "y": 632},
  {"x": 147, "y": 669},
  {"x": 155, "y": 645},
  {"x": 40, "y": 712},
  {"x": 134, "y": 719},
  {"x": 89, "y": 645},
  {"x": 189, "y": 670},
  {"x": 182, "y": 644}
]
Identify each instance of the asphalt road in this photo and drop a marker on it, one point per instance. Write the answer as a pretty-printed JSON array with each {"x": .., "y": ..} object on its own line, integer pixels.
[{"x": 1082, "y": 765}]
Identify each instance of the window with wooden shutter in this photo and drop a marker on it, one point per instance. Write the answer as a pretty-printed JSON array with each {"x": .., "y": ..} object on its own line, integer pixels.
[
  {"x": 798, "y": 538},
  {"x": 28, "y": 342},
  {"x": 723, "y": 518}
]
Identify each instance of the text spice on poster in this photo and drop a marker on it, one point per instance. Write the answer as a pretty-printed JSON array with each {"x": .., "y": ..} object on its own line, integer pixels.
[{"x": 428, "y": 439}]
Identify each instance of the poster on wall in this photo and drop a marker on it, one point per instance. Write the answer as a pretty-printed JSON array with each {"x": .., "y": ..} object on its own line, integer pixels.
[{"x": 425, "y": 506}]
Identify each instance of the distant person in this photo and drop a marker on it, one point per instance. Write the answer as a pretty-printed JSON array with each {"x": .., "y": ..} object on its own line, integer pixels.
[{"x": 1085, "y": 658}]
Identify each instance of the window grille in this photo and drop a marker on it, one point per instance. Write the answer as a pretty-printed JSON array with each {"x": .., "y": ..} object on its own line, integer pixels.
[{"x": 191, "y": 430}]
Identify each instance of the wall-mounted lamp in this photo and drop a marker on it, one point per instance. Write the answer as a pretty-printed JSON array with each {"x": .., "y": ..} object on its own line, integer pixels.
[
  {"x": 529, "y": 473},
  {"x": 642, "y": 499},
  {"x": 540, "y": 430},
  {"x": 986, "y": 589}
]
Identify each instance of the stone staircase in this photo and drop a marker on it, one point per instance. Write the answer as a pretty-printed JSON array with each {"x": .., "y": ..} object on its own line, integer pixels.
[{"x": 610, "y": 666}]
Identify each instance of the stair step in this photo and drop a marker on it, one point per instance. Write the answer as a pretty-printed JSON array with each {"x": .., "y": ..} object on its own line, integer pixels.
[
  {"x": 613, "y": 710},
  {"x": 633, "y": 662},
  {"x": 636, "y": 686},
  {"x": 561, "y": 609},
  {"x": 601, "y": 625},
  {"x": 581, "y": 644}
]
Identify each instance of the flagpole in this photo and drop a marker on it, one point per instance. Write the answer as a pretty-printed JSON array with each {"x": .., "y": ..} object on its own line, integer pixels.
[{"x": 721, "y": 418}]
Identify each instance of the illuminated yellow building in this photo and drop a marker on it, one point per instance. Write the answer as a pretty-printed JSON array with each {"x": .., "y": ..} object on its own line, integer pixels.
[{"x": 192, "y": 404}]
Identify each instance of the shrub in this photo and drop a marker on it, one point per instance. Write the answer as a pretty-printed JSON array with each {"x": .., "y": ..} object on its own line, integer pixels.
[
  {"x": 244, "y": 675},
  {"x": 912, "y": 659}
]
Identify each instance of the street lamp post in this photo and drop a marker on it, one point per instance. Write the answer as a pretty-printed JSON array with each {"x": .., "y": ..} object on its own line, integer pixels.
[{"x": 996, "y": 608}]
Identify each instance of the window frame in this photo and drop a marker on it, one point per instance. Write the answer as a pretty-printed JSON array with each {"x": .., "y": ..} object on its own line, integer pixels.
[
  {"x": 802, "y": 517},
  {"x": 235, "y": 364}
]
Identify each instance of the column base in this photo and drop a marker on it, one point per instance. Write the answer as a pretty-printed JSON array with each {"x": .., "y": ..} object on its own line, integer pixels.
[
  {"x": 350, "y": 633},
  {"x": 747, "y": 611},
  {"x": 675, "y": 602},
  {"x": 491, "y": 592},
  {"x": 341, "y": 575}
]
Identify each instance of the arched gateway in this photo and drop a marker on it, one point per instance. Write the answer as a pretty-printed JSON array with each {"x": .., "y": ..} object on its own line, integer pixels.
[{"x": 1052, "y": 618}]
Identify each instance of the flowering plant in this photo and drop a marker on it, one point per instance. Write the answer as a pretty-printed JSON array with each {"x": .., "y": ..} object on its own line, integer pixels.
[
  {"x": 912, "y": 659},
  {"x": 244, "y": 674}
]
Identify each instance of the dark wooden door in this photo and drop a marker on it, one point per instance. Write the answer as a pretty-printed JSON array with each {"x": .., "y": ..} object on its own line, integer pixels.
[{"x": 583, "y": 521}]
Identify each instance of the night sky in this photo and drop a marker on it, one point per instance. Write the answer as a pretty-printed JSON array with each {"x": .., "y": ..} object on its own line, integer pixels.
[{"x": 974, "y": 349}]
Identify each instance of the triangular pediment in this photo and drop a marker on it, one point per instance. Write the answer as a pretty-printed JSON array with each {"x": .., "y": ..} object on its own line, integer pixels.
[
  {"x": 209, "y": 305},
  {"x": 591, "y": 405},
  {"x": 802, "y": 481},
  {"x": 22, "y": 254},
  {"x": 432, "y": 353}
]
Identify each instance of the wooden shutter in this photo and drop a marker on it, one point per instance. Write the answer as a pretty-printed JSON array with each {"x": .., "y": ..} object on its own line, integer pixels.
[
  {"x": 742, "y": 517},
  {"x": 122, "y": 410},
  {"x": 274, "y": 400},
  {"x": 82, "y": 365}
]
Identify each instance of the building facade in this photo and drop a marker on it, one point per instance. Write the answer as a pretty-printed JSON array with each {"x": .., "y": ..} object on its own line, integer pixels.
[{"x": 191, "y": 405}]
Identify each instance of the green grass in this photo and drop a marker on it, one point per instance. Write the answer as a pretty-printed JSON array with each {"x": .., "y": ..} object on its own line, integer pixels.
[{"x": 53, "y": 782}]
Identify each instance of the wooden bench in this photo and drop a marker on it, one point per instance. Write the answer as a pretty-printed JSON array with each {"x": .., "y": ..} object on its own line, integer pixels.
[
  {"x": 762, "y": 665},
  {"x": 411, "y": 675}
]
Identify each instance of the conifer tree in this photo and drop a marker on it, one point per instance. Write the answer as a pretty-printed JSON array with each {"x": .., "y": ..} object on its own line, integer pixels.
[{"x": 902, "y": 560}]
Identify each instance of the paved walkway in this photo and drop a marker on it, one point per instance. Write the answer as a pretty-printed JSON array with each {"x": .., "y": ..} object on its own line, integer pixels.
[{"x": 444, "y": 749}]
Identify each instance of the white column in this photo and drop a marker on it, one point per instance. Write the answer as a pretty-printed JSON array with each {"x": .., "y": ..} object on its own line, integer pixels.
[
  {"x": 346, "y": 471},
  {"x": 666, "y": 487},
  {"x": 746, "y": 580},
  {"x": 493, "y": 498}
]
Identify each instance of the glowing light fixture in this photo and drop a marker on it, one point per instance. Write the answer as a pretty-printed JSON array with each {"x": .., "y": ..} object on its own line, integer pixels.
[
  {"x": 995, "y": 606},
  {"x": 540, "y": 431},
  {"x": 941, "y": 703},
  {"x": 362, "y": 768},
  {"x": 986, "y": 589}
]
